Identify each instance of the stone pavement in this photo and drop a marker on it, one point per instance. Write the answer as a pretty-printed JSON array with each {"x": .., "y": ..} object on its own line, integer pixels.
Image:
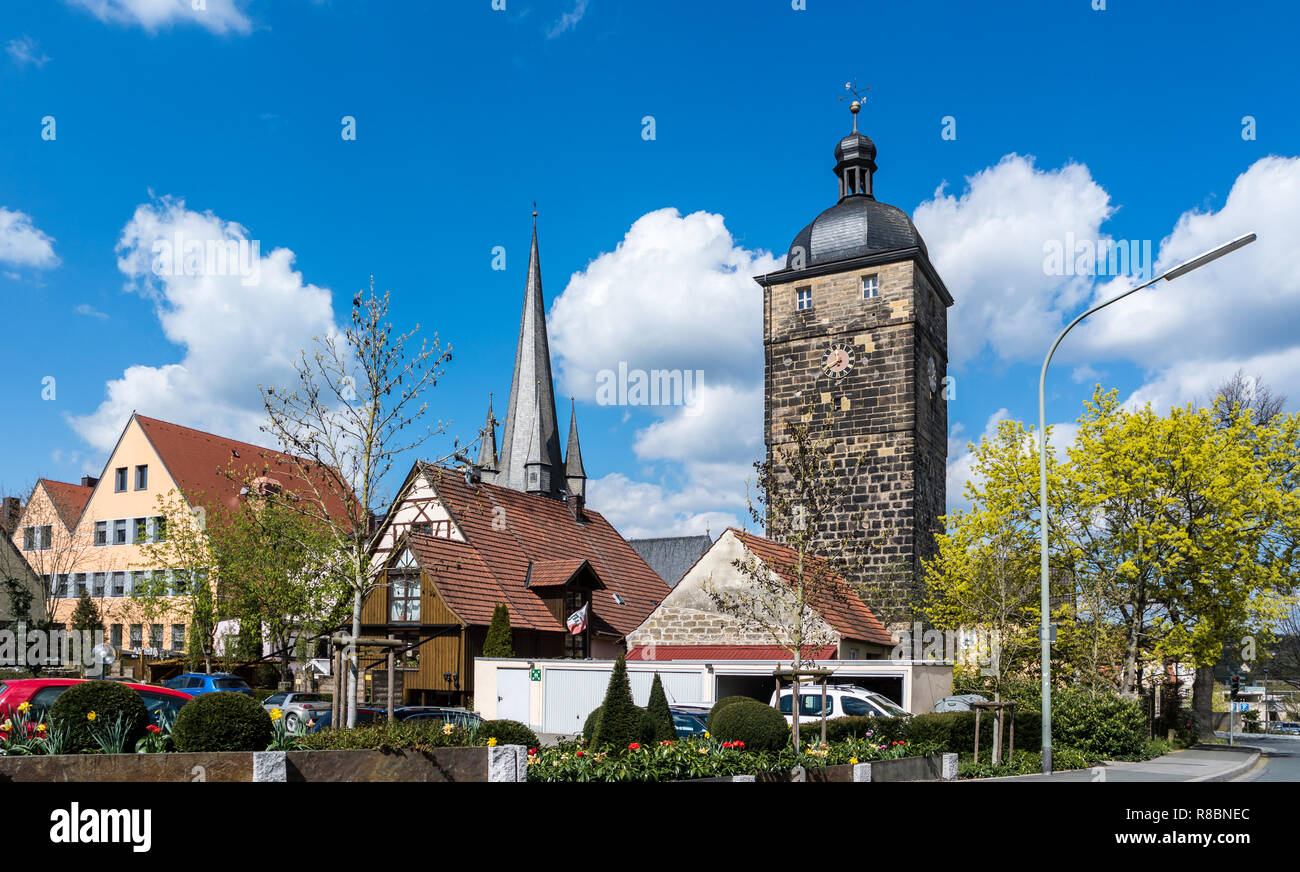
[{"x": 1200, "y": 763}]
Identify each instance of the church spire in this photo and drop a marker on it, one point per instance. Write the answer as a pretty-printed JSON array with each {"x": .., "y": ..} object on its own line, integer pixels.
[
  {"x": 855, "y": 160},
  {"x": 487, "y": 448},
  {"x": 530, "y": 424},
  {"x": 575, "y": 476}
]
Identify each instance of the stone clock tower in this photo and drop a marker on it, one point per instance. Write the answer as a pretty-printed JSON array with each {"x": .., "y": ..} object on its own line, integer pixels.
[{"x": 855, "y": 327}]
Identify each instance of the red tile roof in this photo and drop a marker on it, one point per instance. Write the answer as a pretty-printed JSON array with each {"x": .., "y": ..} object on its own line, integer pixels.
[
  {"x": 727, "y": 652},
  {"x": 839, "y": 605},
  {"x": 69, "y": 499},
  {"x": 199, "y": 462},
  {"x": 506, "y": 531}
]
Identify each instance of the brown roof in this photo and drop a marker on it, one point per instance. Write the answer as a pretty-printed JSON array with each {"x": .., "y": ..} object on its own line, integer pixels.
[
  {"x": 841, "y": 607},
  {"x": 69, "y": 499},
  {"x": 199, "y": 462},
  {"x": 507, "y": 531}
]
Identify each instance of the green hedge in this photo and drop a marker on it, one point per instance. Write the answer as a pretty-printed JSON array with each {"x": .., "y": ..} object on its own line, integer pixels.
[
  {"x": 724, "y": 703},
  {"x": 109, "y": 701},
  {"x": 222, "y": 721},
  {"x": 507, "y": 733},
  {"x": 759, "y": 726},
  {"x": 1098, "y": 723}
]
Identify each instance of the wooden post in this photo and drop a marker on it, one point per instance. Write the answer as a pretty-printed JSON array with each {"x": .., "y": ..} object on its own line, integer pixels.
[
  {"x": 336, "y": 666},
  {"x": 823, "y": 711},
  {"x": 997, "y": 737},
  {"x": 1011, "y": 751},
  {"x": 977, "y": 735},
  {"x": 392, "y": 662}
]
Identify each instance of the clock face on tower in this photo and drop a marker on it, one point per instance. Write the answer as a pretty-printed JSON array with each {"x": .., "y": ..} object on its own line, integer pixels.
[{"x": 838, "y": 361}]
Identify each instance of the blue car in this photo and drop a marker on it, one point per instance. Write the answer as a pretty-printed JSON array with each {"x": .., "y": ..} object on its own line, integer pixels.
[
  {"x": 198, "y": 683},
  {"x": 365, "y": 715}
]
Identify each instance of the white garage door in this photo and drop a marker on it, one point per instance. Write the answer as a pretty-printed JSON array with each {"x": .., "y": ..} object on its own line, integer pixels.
[
  {"x": 572, "y": 694},
  {"x": 512, "y": 695}
]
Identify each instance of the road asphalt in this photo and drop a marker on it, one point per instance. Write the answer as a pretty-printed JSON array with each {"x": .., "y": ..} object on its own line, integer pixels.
[{"x": 1200, "y": 763}]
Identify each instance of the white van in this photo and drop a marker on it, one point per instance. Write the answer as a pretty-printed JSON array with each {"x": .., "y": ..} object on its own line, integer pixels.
[{"x": 842, "y": 701}]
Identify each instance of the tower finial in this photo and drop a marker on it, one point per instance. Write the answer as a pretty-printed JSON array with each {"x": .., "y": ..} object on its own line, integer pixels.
[
  {"x": 534, "y": 214},
  {"x": 859, "y": 97}
]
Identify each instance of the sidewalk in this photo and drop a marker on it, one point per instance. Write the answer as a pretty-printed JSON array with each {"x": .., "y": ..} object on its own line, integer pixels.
[{"x": 1200, "y": 763}]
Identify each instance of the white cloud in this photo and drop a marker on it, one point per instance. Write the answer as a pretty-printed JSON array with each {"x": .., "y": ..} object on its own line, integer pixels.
[
  {"x": 656, "y": 303},
  {"x": 1199, "y": 381},
  {"x": 235, "y": 333},
  {"x": 23, "y": 243},
  {"x": 988, "y": 243},
  {"x": 1242, "y": 306},
  {"x": 568, "y": 20},
  {"x": 90, "y": 311},
  {"x": 25, "y": 50},
  {"x": 218, "y": 16}
]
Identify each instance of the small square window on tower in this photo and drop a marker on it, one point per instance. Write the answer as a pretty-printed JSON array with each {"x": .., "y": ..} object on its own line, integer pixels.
[
  {"x": 870, "y": 287},
  {"x": 803, "y": 298}
]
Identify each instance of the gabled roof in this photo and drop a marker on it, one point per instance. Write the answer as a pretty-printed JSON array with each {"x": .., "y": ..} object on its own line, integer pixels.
[
  {"x": 670, "y": 557},
  {"x": 198, "y": 461},
  {"x": 840, "y": 607},
  {"x": 506, "y": 531},
  {"x": 556, "y": 573},
  {"x": 727, "y": 652},
  {"x": 69, "y": 499}
]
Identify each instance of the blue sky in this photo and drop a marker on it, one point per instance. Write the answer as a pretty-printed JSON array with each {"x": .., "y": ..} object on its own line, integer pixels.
[{"x": 1124, "y": 123}]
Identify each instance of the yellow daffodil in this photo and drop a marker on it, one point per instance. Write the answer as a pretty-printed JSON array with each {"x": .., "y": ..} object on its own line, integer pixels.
[
  {"x": 276, "y": 714},
  {"x": 90, "y": 716},
  {"x": 24, "y": 707},
  {"x": 446, "y": 729},
  {"x": 706, "y": 734},
  {"x": 853, "y": 760},
  {"x": 704, "y": 750},
  {"x": 7, "y": 726},
  {"x": 492, "y": 742},
  {"x": 40, "y": 728}
]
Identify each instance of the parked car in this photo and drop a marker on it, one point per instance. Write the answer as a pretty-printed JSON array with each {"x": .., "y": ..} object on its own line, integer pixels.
[
  {"x": 842, "y": 701},
  {"x": 298, "y": 708},
  {"x": 42, "y": 692},
  {"x": 690, "y": 719},
  {"x": 1287, "y": 728},
  {"x": 365, "y": 715},
  {"x": 458, "y": 717},
  {"x": 198, "y": 683},
  {"x": 959, "y": 703}
]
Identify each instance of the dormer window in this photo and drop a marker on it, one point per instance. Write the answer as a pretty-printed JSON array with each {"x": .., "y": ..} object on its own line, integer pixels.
[
  {"x": 870, "y": 287},
  {"x": 803, "y": 298},
  {"x": 404, "y": 589}
]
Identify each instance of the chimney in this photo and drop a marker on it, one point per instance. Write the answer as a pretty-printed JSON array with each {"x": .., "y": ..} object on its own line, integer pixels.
[
  {"x": 89, "y": 481},
  {"x": 10, "y": 513}
]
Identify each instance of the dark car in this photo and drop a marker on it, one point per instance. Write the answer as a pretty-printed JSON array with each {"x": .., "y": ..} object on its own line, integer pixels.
[
  {"x": 365, "y": 715},
  {"x": 455, "y": 716},
  {"x": 198, "y": 683},
  {"x": 690, "y": 720}
]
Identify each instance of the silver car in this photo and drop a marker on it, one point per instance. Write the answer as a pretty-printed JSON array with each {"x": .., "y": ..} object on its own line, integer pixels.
[{"x": 298, "y": 708}]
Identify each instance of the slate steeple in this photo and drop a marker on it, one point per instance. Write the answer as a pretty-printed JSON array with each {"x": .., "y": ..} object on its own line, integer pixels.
[
  {"x": 487, "y": 449},
  {"x": 574, "y": 475},
  {"x": 530, "y": 443}
]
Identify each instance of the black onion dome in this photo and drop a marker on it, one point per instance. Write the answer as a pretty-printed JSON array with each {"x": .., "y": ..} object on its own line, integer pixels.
[{"x": 857, "y": 225}]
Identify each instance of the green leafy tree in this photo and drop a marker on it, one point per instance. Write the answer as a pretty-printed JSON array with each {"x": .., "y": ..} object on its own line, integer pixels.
[
  {"x": 500, "y": 638},
  {"x": 660, "y": 715},
  {"x": 621, "y": 722}
]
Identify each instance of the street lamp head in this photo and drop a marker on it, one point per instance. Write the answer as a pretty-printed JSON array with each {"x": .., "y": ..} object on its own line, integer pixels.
[{"x": 1201, "y": 260}]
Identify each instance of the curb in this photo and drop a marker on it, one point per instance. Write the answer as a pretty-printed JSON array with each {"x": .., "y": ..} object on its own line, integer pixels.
[{"x": 1228, "y": 774}]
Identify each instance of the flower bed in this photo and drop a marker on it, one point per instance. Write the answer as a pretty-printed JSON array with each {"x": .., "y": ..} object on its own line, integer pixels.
[{"x": 697, "y": 758}]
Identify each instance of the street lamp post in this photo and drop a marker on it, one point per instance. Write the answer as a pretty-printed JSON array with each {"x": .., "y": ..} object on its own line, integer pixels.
[{"x": 1044, "y": 629}]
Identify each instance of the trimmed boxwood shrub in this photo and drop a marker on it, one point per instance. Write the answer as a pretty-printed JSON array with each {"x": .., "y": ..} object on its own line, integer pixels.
[
  {"x": 222, "y": 721},
  {"x": 660, "y": 715},
  {"x": 759, "y": 726},
  {"x": 645, "y": 736},
  {"x": 724, "y": 703},
  {"x": 109, "y": 700},
  {"x": 621, "y": 722},
  {"x": 507, "y": 733}
]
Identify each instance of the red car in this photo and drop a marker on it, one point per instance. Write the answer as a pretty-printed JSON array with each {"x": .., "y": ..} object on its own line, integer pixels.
[{"x": 42, "y": 692}]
